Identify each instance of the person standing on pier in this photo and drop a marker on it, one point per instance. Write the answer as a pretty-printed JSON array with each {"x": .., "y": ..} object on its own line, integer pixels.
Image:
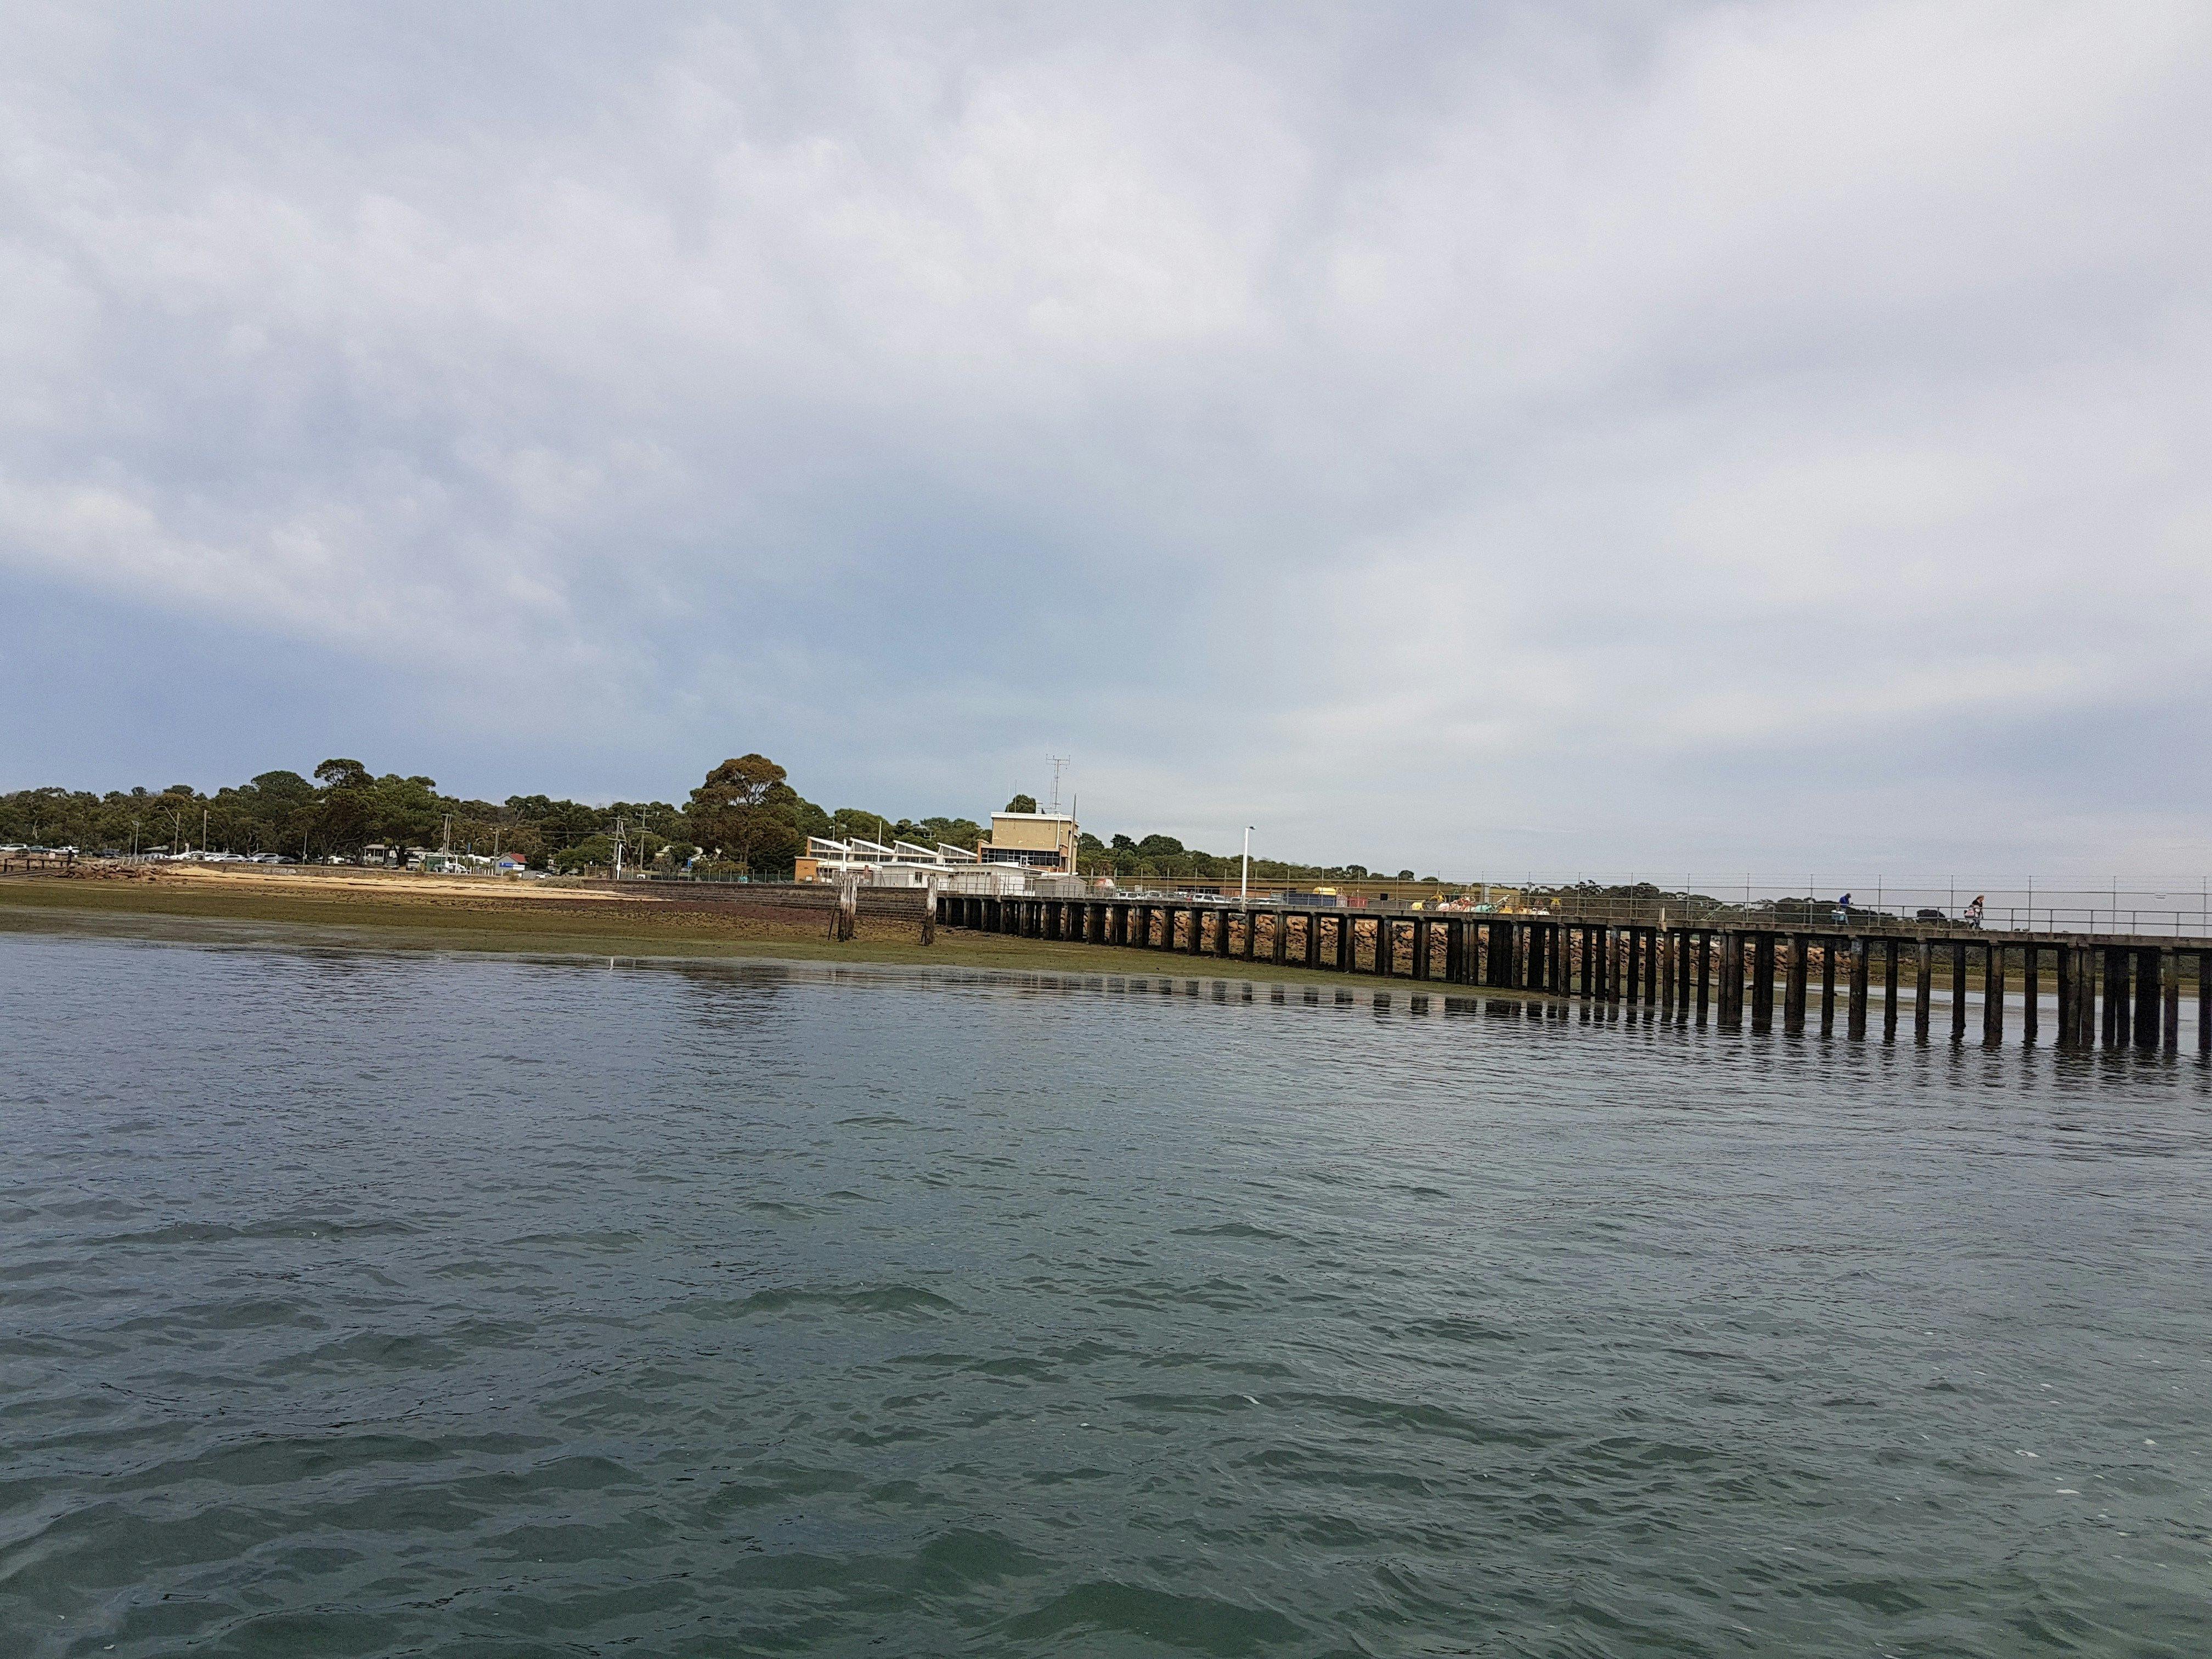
[{"x": 1844, "y": 911}]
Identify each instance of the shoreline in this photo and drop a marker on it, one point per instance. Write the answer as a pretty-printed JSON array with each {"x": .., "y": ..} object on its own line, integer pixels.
[{"x": 538, "y": 923}]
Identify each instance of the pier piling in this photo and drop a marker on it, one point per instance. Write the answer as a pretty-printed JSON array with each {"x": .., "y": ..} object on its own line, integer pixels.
[
  {"x": 2170, "y": 983},
  {"x": 1763, "y": 946},
  {"x": 2147, "y": 965},
  {"x": 2116, "y": 992}
]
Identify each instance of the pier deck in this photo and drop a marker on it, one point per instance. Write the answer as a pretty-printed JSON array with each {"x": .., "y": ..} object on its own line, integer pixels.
[{"x": 2115, "y": 990}]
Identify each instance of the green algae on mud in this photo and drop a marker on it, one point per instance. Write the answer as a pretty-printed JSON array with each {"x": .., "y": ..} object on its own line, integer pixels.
[{"x": 552, "y": 927}]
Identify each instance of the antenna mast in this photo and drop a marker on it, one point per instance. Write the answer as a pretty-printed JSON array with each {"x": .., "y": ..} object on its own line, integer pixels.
[{"x": 1058, "y": 761}]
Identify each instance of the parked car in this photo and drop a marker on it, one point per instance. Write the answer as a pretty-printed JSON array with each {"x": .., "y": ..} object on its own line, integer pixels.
[{"x": 1929, "y": 916}]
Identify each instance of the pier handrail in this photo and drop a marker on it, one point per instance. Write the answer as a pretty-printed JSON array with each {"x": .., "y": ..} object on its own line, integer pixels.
[{"x": 2057, "y": 914}]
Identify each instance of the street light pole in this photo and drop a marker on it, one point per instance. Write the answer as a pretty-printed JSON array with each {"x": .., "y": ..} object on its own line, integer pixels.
[{"x": 1244, "y": 881}]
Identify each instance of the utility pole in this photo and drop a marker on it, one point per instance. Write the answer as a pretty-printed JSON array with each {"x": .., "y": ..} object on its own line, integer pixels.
[
  {"x": 619, "y": 846},
  {"x": 1244, "y": 881}
]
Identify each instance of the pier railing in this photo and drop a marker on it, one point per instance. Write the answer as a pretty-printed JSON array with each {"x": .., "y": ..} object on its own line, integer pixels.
[
  {"x": 1799, "y": 914},
  {"x": 1719, "y": 960},
  {"x": 1875, "y": 907}
]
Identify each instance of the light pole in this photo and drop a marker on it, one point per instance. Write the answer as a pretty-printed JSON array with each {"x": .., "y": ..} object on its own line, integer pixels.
[{"x": 1244, "y": 881}]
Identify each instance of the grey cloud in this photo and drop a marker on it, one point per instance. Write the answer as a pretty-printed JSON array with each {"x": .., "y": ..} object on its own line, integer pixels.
[{"x": 1558, "y": 436}]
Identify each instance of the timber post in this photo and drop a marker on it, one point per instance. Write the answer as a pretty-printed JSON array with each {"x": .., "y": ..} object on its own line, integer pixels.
[
  {"x": 2170, "y": 983},
  {"x": 2147, "y": 965},
  {"x": 2115, "y": 1009},
  {"x": 1763, "y": 946}
]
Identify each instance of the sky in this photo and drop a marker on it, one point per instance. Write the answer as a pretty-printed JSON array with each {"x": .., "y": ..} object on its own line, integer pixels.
[{"x": 1553, "y": 437}]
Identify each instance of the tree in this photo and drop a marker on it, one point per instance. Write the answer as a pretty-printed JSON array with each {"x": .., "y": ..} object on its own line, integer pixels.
[
  {"x": 847, "y": 821},
  {"x": 953, "y": 832},
  {"x": 592, "y": 850},
  {"x": 559, "y": 823},
  {"x": 1022, "y": 804},
  {"x": 746, "y": 810}
]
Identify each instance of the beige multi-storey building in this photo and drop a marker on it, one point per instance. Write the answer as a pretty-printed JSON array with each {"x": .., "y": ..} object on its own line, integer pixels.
[{"x": 1037, "y": 841}]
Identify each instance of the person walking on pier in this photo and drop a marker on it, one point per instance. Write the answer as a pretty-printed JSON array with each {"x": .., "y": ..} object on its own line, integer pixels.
[{"x": 1974, "y": 913}]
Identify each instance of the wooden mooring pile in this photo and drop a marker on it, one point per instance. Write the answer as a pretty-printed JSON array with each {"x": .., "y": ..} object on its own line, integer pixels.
[
  {"x": 37, "y": 861},
  {"x": 2120, "y": 990}
]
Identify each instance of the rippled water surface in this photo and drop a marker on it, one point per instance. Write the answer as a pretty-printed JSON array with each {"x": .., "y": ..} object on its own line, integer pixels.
[{"x": 361, "y": 1303}]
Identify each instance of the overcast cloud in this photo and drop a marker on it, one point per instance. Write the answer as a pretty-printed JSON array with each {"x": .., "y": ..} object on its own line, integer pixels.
[{"x": 1609, "y": 437}]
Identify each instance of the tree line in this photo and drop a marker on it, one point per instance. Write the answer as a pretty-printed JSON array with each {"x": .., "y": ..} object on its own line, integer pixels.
[{"x": 744, "y": 817}]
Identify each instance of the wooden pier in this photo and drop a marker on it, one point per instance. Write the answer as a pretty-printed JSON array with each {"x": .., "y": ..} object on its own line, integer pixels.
[{"x": 2114, "y": 991}]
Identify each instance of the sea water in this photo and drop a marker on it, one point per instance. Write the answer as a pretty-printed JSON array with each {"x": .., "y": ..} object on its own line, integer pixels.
[{"x": 356, "y": 1303}]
